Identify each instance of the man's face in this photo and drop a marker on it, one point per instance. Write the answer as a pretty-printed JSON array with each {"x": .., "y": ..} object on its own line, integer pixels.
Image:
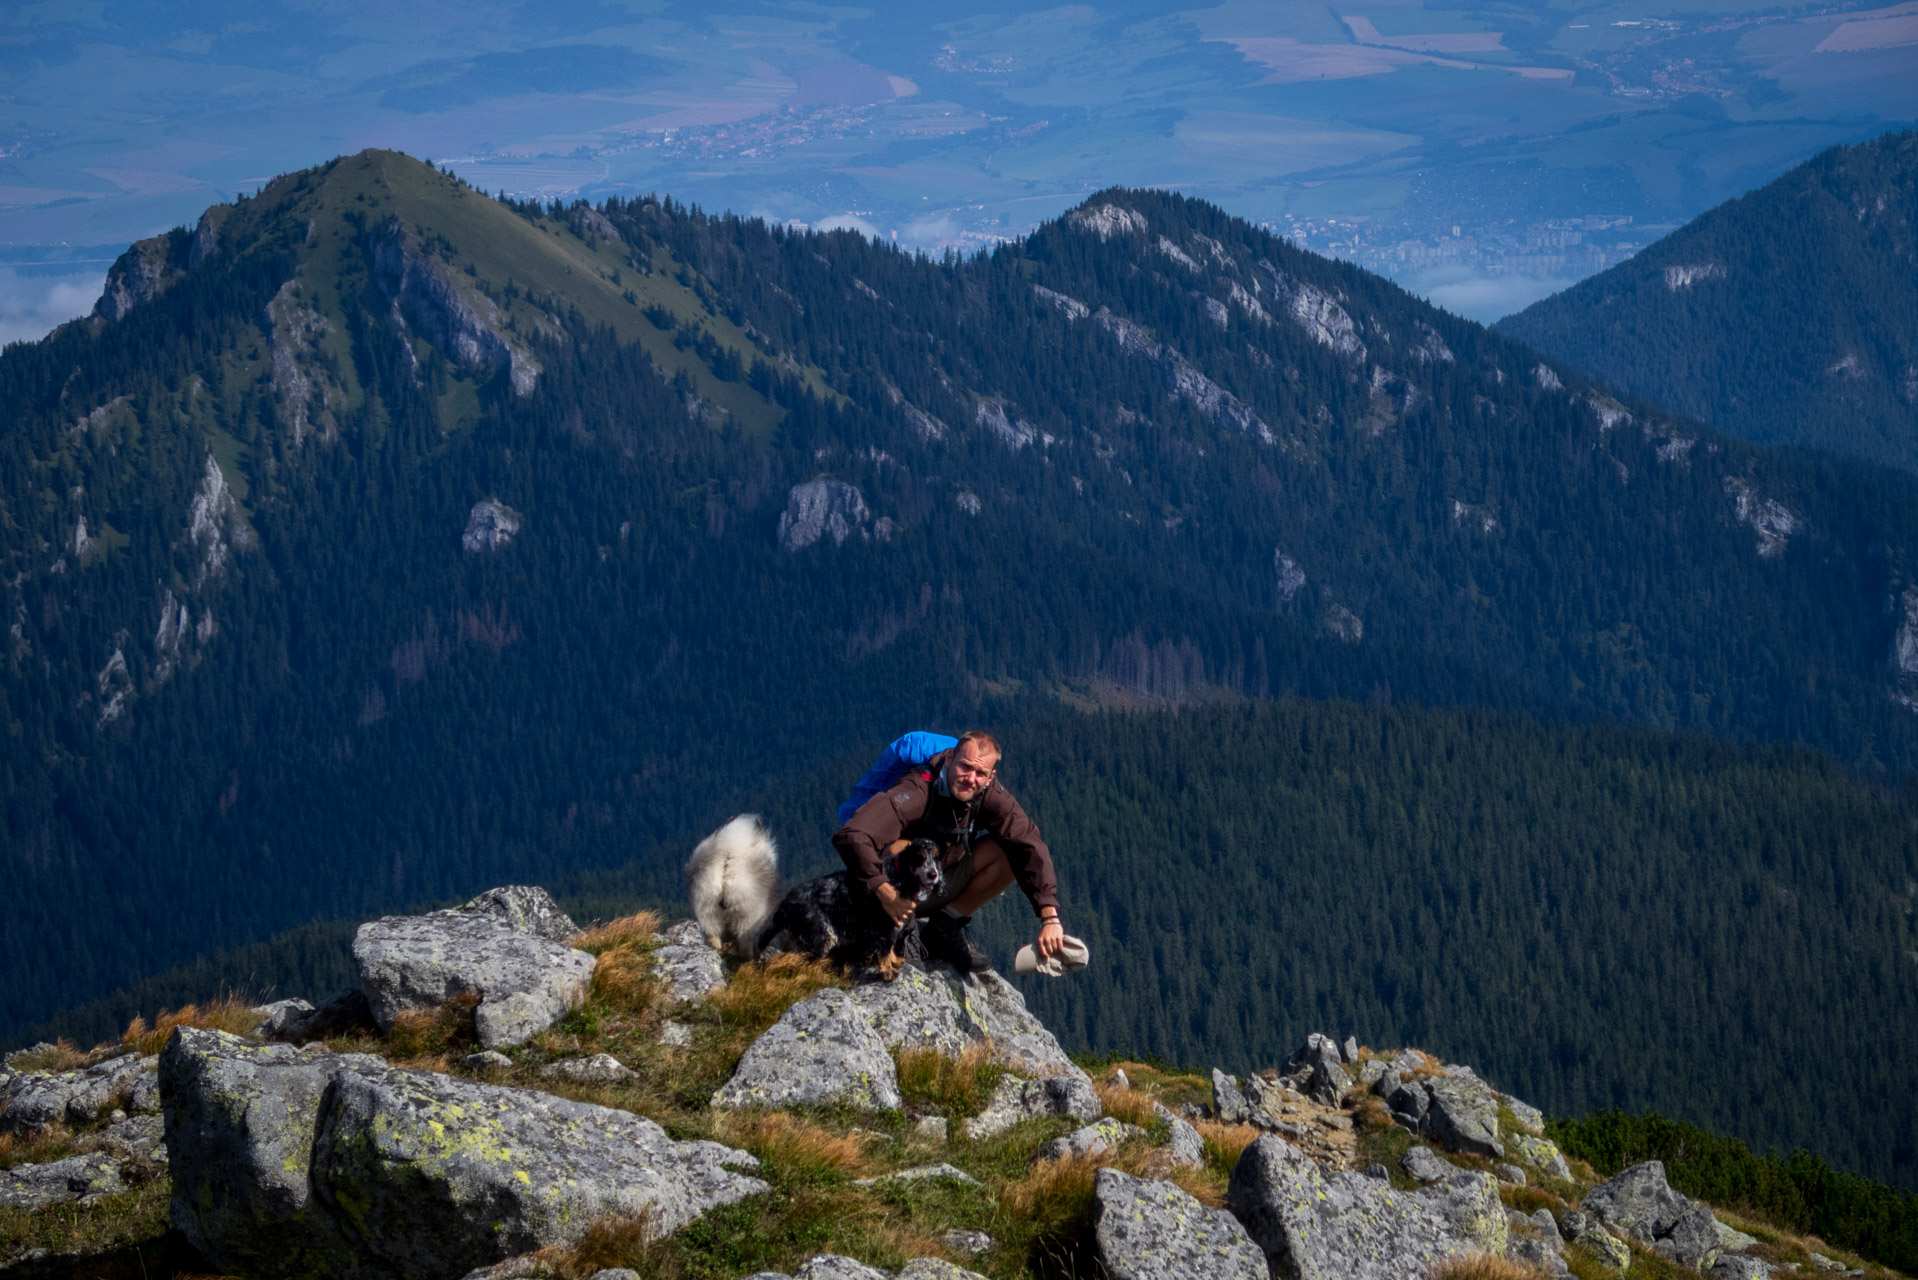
[{"x": 969, "y": 771}]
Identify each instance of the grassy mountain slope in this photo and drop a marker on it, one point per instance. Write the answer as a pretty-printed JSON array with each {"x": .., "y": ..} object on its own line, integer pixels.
[
  {"x": 271, "y": 654},
  {"x": 1599, "y": 917},
  {"x": 1789, "y": 315}
]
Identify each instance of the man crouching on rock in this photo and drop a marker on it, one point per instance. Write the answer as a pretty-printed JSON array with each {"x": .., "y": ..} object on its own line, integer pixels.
[{"x": 985, "y": 839}]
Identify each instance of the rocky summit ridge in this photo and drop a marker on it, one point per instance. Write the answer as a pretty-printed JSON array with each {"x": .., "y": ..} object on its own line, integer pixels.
[{"x": 394, "y": 1132}]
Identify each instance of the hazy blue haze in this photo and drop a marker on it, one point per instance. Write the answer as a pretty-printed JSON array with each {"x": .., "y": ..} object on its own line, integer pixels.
[{"x": 1369, "y": 130}]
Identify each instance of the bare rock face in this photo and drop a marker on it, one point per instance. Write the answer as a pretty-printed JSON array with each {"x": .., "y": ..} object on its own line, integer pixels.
[
  {"x": 822, "y": 1051},
  {"x": 1347, "y": 1226},
  {"x": 1108, "y": 220},
  {"x": 469, "y": 329},
  {"x": 525, "y": 982},
  {"x": 139, "y": 275},
  {"x": 490, "y": 525},
  {"x": 1147, "y": 1230},
  {"x": 820, "y": 509},
  {"x": 309, "y": 1164}
]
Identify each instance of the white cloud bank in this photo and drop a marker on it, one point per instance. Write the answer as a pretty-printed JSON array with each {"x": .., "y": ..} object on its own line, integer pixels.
[
  {"x": 32, "y": 304},
  {"x": 1483, "y": 298}
]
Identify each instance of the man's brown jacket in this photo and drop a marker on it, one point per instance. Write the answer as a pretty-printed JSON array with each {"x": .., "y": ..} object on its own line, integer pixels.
[{"x": 915, "y": 808}]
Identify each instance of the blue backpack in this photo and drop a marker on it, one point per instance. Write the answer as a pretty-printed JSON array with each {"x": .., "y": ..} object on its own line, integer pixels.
[{"x": 894, "y": 762}]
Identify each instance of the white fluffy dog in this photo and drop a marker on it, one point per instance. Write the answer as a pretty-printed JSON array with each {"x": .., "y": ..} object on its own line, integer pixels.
[{"x": 733, "y": 881}]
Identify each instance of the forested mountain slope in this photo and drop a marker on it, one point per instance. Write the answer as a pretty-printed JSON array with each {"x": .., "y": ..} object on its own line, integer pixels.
[
  {"x": 1789, "y": 315},
  {"x": 380, "y": 542}
]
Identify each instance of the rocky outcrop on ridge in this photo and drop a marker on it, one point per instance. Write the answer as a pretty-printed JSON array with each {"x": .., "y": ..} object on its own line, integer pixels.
[
  {"x": 290, "y": 1161},
  {"x": 1346, "y": 1226},
  {"x": 524, "y": 979}
]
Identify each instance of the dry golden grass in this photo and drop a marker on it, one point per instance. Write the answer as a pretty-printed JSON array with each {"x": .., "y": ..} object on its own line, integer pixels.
[
  {"x": 228, "y": 1014},
  {"x": 62, "y": 1055},
  {"x": 1128, "y": 1105},
  {"x": 1485, "y": 1266},
  {"x": 623, "y": 979},
  {"x": 620, "y": 1240},
  {"x": 47, "y": 1143},
  {"x": 635, "y": 929},
  {"x": 958, "y": 1087},
  {"x": 801, "y": 1150},
  {"x": 759, "y": 993},
  {"x": 420, "y": 1035},
  {"x": 1371, "y": 1115},
  {"x": 1224, "y": 1142}
]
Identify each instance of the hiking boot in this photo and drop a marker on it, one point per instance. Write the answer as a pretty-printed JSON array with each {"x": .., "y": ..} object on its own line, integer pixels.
[{"x": 946, "y": 939}]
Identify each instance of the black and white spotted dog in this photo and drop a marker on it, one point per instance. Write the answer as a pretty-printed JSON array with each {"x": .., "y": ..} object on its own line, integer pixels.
[{"x": 831, "y": 917}]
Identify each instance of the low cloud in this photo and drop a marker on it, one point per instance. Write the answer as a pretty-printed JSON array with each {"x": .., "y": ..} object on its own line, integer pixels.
[
  {"x": 1483, "y": 298},
  {"x": 847, "y": 222},
  {"x": 33, "y": 303}
]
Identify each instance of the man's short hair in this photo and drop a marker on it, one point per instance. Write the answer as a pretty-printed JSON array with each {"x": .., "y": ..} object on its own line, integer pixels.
[{"x": 985, "y": 741}]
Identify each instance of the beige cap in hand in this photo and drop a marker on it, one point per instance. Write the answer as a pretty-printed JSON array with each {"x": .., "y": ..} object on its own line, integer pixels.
[{"x": 1071, "y": 958}]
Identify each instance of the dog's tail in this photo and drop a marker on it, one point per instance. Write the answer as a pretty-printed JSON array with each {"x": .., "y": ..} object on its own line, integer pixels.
[{"x": 733, "y": 881}]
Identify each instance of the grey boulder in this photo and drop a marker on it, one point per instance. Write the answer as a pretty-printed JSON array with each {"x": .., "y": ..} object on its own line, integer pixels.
[
  {"x": 35, "y": 1186},
  {"x": 1183, "y": 1143},
  {"x": 427, "y": 1172},
  {"x": 528, "y": 909},
  {"x": 1640, "y": 1203},
  {"x": 921, "y": 1009},
  {"x": 601, "y": 1068},
  {"x": 297, "y": 1022},
  {"x": 823, "y": 1050},
  {"x": 525, "y": 980},
  {"x": 1604, "y": 1246},
  {"x": 1148, "y": 1230},
  {"x": 935, "y": 1269},
  {"x": 921, "y": 1173},
  {"x": 136, "y": 1138},
  {"x": 37, "y": 1099},
  {"x": 1318, "y": 1066},
  {"x": 1541, "y": 1153},
  {"x": 1740, "y": 1266},
  {"x": 970, "y": 1243},
  {"x": 1463, "y": 1115},
  {"x": 1528, "y": 1115},
  {"x": 240, "y": 1122},
  {"x": 1426, "y": 1165},
  {"x": 832, "y": 1266},
  {"x": 1014, "y": 1100},
  {"x": 300, "y": 1164},
  {"x": 1228, "y": 1101},
  {"x": 1091, "y": 1140},
  {"x": 687, "y": 968},
  {"x": 1351, "y": 1227},
  {"x": 996, "y": 1012}
]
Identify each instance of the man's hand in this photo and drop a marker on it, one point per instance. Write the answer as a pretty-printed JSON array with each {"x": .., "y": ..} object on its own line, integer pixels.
[
  {"x": 1052, "y": 937},
  {"x": 897, "y": 906}
]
